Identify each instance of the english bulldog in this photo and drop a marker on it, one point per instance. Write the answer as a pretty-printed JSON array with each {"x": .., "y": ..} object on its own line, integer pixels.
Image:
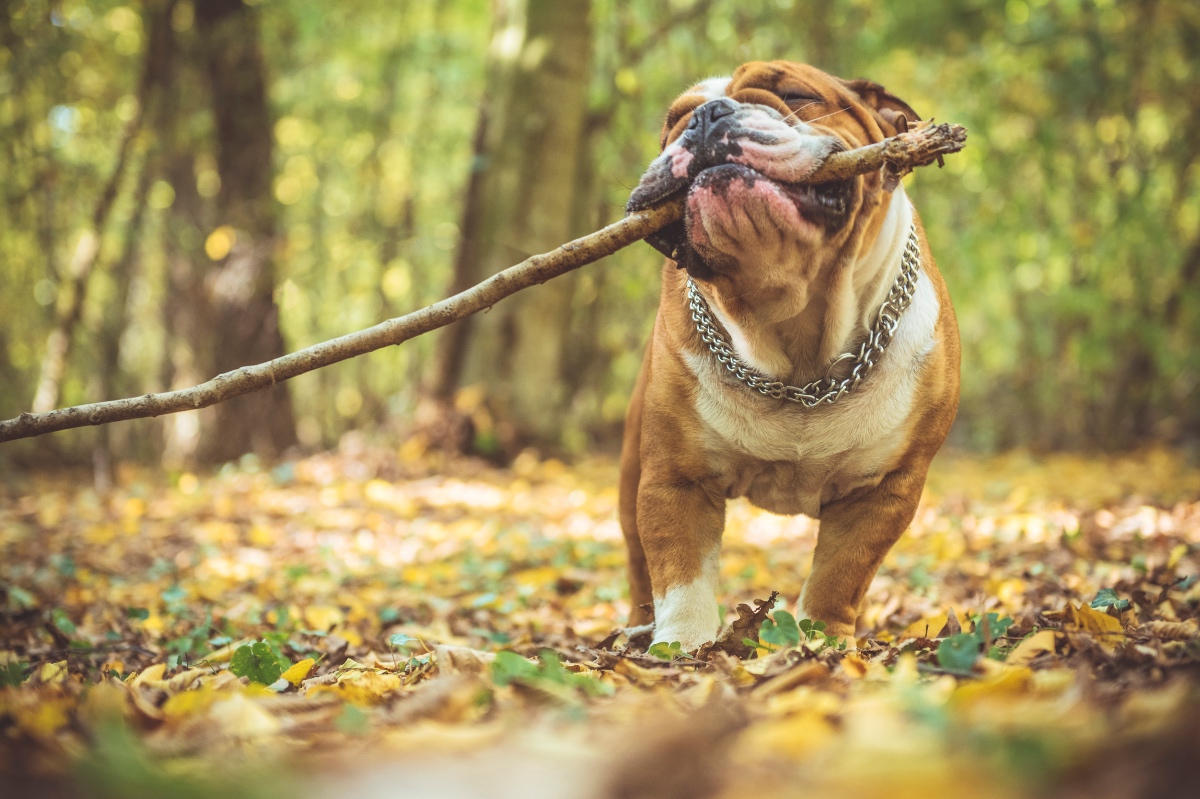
[{"x": 805, "y": 354}]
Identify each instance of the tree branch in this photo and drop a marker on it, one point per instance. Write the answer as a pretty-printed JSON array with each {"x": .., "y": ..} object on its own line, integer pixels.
[{"x": 899, "y": 154}]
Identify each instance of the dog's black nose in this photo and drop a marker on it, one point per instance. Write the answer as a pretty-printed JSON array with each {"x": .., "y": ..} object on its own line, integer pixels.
[{"x": 706, "y": 116}]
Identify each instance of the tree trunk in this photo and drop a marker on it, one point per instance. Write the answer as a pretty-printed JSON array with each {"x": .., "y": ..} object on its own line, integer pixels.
[
  {"x": 240, "y": 290},
  {"x": 523, "y": 200}
]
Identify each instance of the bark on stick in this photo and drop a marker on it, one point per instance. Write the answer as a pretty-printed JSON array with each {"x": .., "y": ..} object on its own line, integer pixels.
[{"x": 899, "y": 154}]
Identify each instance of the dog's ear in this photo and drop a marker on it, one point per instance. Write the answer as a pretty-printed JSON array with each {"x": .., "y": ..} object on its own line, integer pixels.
[{"x": 893, "y": 112}]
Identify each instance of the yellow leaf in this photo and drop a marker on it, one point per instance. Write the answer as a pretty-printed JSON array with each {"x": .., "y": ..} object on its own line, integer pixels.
[
  {"x": 925, "y": 628},
  {"x": 796, "y": 736},
  {"x": 189, "y": 703},
  {"x": 53, "y": 673},
  {"x": 1104, "y": 628},
  {"x": 298, "y": 671},
  {"x": 180, "y": 682},
  {"x": 1032, "y": 647},
  {"x": 638, "y": 674},
  {"x": 854, "y": 666},
  {"x": 1005, "y": 682},
  {"x": 323, "y": 617},
  {"x": 45, "y": 718},
  {"x": 241, "y": 716},
  {"x": 367, "y": 687},
  {"x": 151, "y": 674},
  {"x": 225, "y": 653}
]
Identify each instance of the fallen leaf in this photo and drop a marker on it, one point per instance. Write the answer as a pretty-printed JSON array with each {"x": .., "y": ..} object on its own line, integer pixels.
[
  {"x": 806, "y": 673},
  {"x": 925, "y": 628},
  {"x": 854, "y": 667},
  {"x": 952, "y": 626},
  {"x": 1105, "y": 629},
  {"x": 1040, "y": 643},
  {"x": 745, "y": 627},
  {"x": 298, "y": 672},
  {"x": 1171, "y": 630}
]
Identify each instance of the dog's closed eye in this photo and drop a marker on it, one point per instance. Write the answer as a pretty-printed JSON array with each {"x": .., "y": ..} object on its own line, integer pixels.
[{"x": 798, "y": 98}]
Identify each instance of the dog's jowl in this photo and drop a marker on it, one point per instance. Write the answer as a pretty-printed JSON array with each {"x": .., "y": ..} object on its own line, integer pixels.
[{"x": 805, "y": 353}]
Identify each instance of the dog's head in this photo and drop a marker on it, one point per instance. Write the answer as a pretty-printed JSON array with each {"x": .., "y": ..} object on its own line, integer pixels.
[{"x": 741, "y": 147}]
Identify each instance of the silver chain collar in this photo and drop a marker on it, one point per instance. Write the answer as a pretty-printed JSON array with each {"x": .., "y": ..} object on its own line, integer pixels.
[{"x": 826, "y": 390}]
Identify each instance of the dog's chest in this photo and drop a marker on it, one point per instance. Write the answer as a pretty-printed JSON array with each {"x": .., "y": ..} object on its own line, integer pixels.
[{"x": 789, "y": 459}]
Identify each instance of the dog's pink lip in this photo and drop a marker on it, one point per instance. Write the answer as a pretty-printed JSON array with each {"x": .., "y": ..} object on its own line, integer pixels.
[{"x": 818, "y": 205}]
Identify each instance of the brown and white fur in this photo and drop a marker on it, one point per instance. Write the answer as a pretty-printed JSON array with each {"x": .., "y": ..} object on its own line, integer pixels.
[{"x": 795, "y": 279}]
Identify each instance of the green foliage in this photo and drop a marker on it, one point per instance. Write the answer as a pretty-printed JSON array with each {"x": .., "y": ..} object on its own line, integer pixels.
[
  {"x": 1107, "y": 598},
  {"x": 184, "y": 647},
  {"x": 666, "y": 651},
  {"x": 1067, "y": 230},
  {"x": 18, "y": 597},
  {"x": 258, "y": 662},
  {"x": 117, "y": 765},
  {"x": 13, "y": 674},
  {"x": 548, "y": 675},
  {"x": 176, "y": 599},
  {"x": 60, "y": 619},
  {"x": 780, "y": 630},
  {"x": 958, "y": 653}
]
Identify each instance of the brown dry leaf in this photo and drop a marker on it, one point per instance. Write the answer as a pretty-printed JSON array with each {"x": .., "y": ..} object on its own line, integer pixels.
[
  {"x": 952, "y": 627},
  {"x": 462, "y": 659},
  {"x": 1171, "y": 630},
  {"x": 639, "y": 675},
  {"x": 807, "y": 673},
  {"x": 745, "y": 626}
]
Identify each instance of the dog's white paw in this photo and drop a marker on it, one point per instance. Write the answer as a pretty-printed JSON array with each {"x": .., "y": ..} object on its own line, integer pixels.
[{"x": 688, "y": 613}]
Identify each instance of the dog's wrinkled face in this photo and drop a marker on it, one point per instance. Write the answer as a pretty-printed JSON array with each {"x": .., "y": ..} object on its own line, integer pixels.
[{"x": 742, "y": 148}]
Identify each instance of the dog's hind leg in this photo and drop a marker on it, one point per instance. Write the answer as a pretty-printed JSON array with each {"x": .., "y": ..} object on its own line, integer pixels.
[
  {"x": 640, "y": 597},
  {"x": 856, "y": 533}
]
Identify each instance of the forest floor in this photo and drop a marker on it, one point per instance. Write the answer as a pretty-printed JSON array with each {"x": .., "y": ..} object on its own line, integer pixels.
[{"x": 379, "y": 623}]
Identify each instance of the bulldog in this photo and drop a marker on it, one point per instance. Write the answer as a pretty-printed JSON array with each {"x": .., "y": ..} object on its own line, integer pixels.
[{"x": 805, "y": 354}]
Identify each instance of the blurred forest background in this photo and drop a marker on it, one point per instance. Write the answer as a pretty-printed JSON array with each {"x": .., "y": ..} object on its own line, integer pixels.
[{"x": 190, "y": 186}]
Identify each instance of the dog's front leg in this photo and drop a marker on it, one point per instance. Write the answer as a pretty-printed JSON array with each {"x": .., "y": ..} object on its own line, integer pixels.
[
  {"x": 856, "y": 533},
  {"x": 680, "y": 527}
]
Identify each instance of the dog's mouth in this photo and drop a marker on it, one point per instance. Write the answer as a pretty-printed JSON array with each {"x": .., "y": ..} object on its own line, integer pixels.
[{"x": 826, "y": 206}]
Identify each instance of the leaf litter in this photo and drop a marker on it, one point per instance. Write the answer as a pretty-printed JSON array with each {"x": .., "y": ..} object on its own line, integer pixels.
[{"x": 369, "y": 622}]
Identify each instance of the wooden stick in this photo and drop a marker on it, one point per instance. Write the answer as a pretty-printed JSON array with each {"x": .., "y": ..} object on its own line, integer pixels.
[
  {"x": 896, "y": 156},
  {"x": 535, "y": 269},
  {"x": 914, "y": 148}
]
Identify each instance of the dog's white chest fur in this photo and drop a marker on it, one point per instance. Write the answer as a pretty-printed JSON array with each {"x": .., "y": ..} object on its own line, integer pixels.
[{"x": 790, "y": 459}]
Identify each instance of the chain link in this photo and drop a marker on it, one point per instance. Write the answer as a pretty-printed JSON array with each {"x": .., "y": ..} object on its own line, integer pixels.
[{"x": 826, "y": 390}]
